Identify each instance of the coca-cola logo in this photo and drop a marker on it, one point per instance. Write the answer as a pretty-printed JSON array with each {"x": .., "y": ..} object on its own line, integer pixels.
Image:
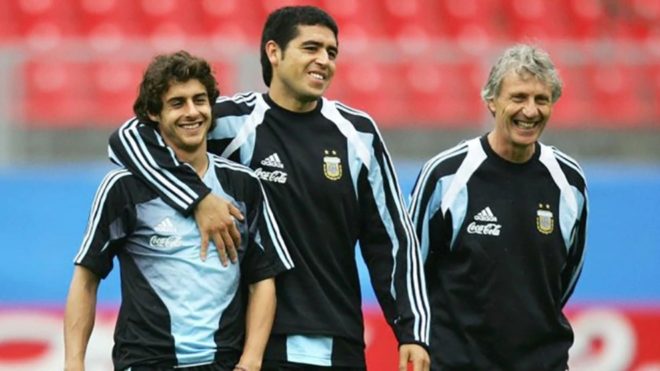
[
  {"x": 276, "y": 176},
  {"x": 490, "y": 229},
  {"x": 166, "y": 242}
]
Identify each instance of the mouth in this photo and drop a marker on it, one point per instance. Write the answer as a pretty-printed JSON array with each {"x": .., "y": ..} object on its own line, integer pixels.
[
  {"x": 191, "y": 125},
  {"x": 526, "y": 124},
  {"x": 317, "y": 76}
]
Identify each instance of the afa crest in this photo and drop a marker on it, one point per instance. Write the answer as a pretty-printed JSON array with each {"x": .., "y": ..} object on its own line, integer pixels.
[
  {"x": 332, "y": 168},
  {"x": 545, "y": 221}
]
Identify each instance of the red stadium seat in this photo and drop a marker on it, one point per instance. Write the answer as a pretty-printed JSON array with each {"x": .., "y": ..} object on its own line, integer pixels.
[
  {"x": 94, "y": 14},
  {"x": 372, "y": 86},
  {"x": 466, "y": 19},
  {"x": 445, "y": 94},
  {"x": 232, "y": 21},
  {"x": 590, "y": 19},
  {"x": 55, "y": 94},
  {"x": 616, "y": 93},
  {"x": 406, "y": 21},
  {"x": 43, "y": 25},
  {"x": 638, "y": 19},
  {"x": 359, "y": 23},
  {"x": 575, "y": 107},
  {"x": 537, "y": 19},
  {"x": 8, "y": 22},
  {"x": 170, "y": 24},
  {"x": 652, "y": 77},
  {"x": 114, "y": 87},
  {"x": 655, "y": 94},
  {"x": 646, "y": 9},
  {"x": 107, "y": 25},
  {"x": 226, "y": 75},
  {"x": 30, "y": 14}
]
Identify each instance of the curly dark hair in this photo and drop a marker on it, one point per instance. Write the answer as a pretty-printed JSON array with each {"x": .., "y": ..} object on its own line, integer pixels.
[{"x": 165, "y": 69}]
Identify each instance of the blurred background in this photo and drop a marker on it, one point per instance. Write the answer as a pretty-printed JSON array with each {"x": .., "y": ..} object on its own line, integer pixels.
[{"x": 69, "y": 71}]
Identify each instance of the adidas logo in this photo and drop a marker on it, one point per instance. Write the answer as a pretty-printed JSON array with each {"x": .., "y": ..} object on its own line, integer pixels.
[
  {"x": 485, "y": 215},
  {"x": 273, "y": 161},
  {"x": 165, "y": 227}
]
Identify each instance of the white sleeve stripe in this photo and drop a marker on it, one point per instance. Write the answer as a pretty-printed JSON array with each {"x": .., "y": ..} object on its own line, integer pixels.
[
  {"x": 238, "y": 98},
  {"x": 273, "y": 228},
  {"x": 331, "y": 111},
  {"x": 254, "y": 119},
  {"x": 153, "y": 174},
  {"x": 426, "y": 171},
  {"x": 566, "y": 157},
  {"x": 413, "y": 278},
  {"x": 97, "y": 208},
  {"x": 570, "y": 163},
  {"x": 415, "y": 283},
  {"x": 471, "y": 163},
  {"x": 181, "y": 186},
  {"x": 414, "y": 272},
  {"x": 576, "y": 274}
]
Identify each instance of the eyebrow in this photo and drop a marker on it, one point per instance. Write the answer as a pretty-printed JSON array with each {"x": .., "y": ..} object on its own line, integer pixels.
[
  {"x": 179, "y": 97},
  {"x": 319, "y": 44}
]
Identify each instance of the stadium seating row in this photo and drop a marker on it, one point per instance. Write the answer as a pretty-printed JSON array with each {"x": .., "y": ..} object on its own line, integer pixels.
[
  {"x": 70, "y": 94},
  {"x": 413, "y": 80},
  {"x": 510, "y": 19},
  {"x": 82, "y": 94}
]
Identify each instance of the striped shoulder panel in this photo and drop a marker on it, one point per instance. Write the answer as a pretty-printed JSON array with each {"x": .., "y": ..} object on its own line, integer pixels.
[
  {"x": 248, "y": 98},
  {"x": 429, "y": 168},
  {"x": 341, "y": 106},
  {"x": 223, "y": 163},
  {"x": 100, "y": 198},
  {"x": 570, "y": 162},
  {"x": 237, "y": 105}
]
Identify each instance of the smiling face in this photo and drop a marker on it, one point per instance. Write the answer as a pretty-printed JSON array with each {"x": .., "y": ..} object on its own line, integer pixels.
[
  {"x": 521, "y": 109},
  {"x": 185, "y": 118},
  {"x": 302, "y": 71}
]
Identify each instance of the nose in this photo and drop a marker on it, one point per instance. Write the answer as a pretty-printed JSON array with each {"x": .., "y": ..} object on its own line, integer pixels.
[
  {"x": 323, "y": 57},
  {"x": 530, "y": 109},
  {"x": 190, "y": 108}
]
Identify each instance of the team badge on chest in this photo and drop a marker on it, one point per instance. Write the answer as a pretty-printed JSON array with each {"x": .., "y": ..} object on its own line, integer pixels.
[
  {"x": 332, "y": 168},
  {"x": 545, "y": 221}
]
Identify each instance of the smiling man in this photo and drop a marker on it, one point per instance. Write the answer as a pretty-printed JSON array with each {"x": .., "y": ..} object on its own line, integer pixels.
[
  {"x": 331, "y": 184},
  {"x": 177, "y": 312},
  {"x": 502, "y": 223}
]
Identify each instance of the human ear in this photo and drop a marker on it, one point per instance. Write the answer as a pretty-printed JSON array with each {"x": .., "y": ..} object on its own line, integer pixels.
[{"x": 491, "y": 107}]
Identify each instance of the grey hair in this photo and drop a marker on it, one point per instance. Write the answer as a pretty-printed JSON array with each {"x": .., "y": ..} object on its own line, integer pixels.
[{"x": 523, "y": 58}]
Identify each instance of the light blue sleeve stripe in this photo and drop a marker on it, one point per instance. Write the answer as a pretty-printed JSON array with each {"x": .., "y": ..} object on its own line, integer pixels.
[
  {"x": 246, "y": 136},
  {"x": 568, "y": 202},
  {"x": 97, "y": 209},
  {"x": 455, "y": 196}
]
